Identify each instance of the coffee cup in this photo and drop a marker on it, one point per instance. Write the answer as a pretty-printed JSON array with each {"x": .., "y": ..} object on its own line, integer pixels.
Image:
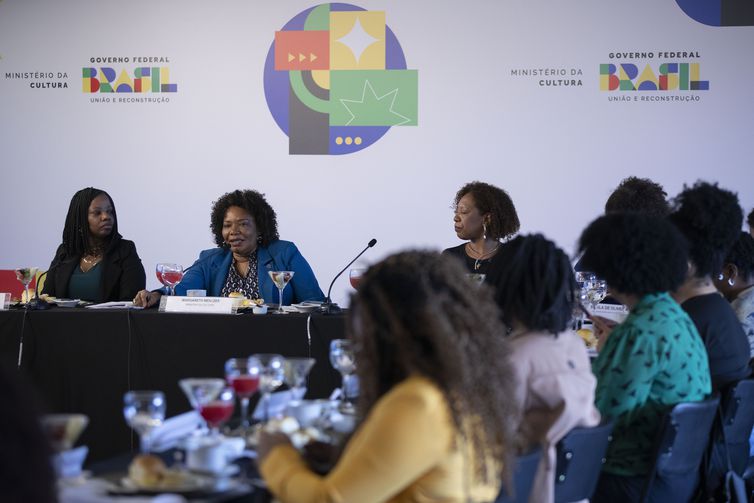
[{"x": 213, "y": 455}]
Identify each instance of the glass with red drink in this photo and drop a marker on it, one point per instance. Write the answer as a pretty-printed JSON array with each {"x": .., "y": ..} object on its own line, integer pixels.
[
  {"x": 218, "y": 410},
  {"x": 354, "y": 276},
  {"x": 172, "y": 274},
  {"x": 243, "y": 375}
]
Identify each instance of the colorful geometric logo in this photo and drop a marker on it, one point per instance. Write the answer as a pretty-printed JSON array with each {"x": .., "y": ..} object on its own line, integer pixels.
[
  {"x": 336, "y": 81},
  {"x": 669, "y": 77},
  {"x": 145, "y": 79}
]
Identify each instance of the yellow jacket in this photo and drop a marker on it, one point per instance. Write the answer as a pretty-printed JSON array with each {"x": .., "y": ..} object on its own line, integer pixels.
[{"x": 406, "y": 450}]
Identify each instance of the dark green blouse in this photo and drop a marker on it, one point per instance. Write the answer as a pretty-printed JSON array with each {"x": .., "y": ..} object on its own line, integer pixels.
[
  {"x": 652, "y": 361},
  {"x": 85, "y": 285}
]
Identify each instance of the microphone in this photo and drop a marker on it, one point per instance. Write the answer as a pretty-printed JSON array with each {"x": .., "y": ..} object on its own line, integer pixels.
[
  {"x": 37, "y": 303},
  {"x": 329, "y": 307}
]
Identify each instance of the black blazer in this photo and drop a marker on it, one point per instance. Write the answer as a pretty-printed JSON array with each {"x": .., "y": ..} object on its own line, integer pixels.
[{"x": 122, "y": 273}]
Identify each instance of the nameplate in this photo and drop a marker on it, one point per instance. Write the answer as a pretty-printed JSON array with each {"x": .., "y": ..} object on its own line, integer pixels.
[
  {"x": 211, "y": 305},
  {"x": 4, "y": 301},
  {"x": 615, "y": 312}
]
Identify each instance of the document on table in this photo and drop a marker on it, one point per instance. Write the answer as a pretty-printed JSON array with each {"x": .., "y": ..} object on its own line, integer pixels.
[{"x": 115, "y": 305}]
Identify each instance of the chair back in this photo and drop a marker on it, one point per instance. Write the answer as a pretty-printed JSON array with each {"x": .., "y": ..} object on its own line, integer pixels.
[
  {"x": 737, "y": 411},
  {"x": 524, "y": 472},
  {"x": 580, "y": 455},
  {"x": 682, "y": 441}
]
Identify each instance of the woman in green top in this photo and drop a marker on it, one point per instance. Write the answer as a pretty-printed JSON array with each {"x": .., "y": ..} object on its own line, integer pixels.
[{"x": 650, "y": 362}]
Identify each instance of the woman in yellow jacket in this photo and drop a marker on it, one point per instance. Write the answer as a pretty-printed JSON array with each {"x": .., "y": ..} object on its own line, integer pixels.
[{"x": 435, "y": 405}]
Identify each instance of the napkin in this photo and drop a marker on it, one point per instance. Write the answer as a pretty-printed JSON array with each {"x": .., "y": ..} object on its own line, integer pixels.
[{"x": 173, "y": 430}]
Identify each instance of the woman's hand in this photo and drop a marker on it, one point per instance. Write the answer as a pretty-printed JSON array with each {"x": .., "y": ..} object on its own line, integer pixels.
[
  {"x": 268, "y": 441},
  {"x": 146, "y": 298},
  {"x": 603, "y": 327}
]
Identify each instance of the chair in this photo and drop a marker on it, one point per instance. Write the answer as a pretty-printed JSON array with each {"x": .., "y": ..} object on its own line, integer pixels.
[
  {"x": 737, "y": 419},
  {"x": 580, "y": 455},
  {"x": 523, "y": 477},
  {"x": 680, "y": 447},
  {"x": 737, "y": 410}
]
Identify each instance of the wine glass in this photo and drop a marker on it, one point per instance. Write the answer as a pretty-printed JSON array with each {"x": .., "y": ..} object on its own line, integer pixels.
[
  {"x": 201, "y": 390},
  {"x": 271, "y": 376},
  {"x": 218, "y": 410},
  {"x": 158, "y": 272},
  {"x": 343, "y": 360},
  {"x": 281, "y": 279},
  {"x": 172, "y": 274},
  {"x": 25, "y": 275},
  {"x": 144, "y": 411},
  {"x": 296, "y": 370},
  {"x": 354, "y": 277},
  {"x": 243, "y": 375}
]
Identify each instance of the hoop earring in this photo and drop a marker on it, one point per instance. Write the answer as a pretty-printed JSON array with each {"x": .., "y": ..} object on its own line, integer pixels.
[
  {"x": 720, "y": 277},
  {"x": 731, "y": 282},
  {"x": 484, "y": 231}
]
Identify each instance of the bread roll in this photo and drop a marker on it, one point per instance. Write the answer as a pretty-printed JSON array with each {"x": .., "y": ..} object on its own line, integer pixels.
[{"x": 147, "y": 470}]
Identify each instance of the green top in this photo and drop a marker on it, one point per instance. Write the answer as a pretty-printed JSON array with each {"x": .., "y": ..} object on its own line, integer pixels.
[
  {"x": 85, "y": 285},
  {"x": 652, "y": 361}
]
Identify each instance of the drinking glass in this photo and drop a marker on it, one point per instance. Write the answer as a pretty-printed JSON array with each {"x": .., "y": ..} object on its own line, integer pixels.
[
  {"x": 201, "y": 390},
  {"x": 281, "y": 279},
  {"x": 243, "y": 375},
  {"x": 158, "y": 272},
  {"x": 218, "y": 410},
  {"x": 271, "y": 376},
  {"x": 354, "y": 276},
  {"x": 296, "y": 370},
  {"x": 25, "y": 275},
  {"x": 343, "y": 360},
  {"x": 144, "y": 411},
  {"x": 172, "y": 274}
]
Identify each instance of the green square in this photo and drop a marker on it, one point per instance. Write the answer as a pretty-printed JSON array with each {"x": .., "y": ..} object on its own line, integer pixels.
[{"x": 374, "y": 97}]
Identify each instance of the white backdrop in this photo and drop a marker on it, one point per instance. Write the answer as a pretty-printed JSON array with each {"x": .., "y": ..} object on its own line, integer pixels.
[{"x": 558, "y": 150}]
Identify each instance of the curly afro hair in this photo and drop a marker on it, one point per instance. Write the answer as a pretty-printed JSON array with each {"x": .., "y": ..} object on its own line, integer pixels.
[
  {"x": 636, "y": 254},
  {"x": 257, "y": 206},
  {"x": 710, "y": 218},
  {"x": 742, "y": 255},
  {"x": 495, "y": 201},
  {"x": 537, "y": 284},
  {"x": 415, "y": 313},
  {"x": 638, "y": 195}
]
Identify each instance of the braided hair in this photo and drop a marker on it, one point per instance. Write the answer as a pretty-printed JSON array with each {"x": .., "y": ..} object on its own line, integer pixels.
[
  {"x": 76, "y": 233},
  {"x": 750, "y": 219},
  {"x": 537, "y": 286},
  {"x": 503, "y": 220},
  {"x": 416, "y": 313}
]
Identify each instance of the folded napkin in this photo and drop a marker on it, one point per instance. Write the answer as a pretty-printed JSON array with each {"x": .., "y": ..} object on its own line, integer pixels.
[
  {"x": 173, "y": 430},
  {"x": 278, "y": 402}
]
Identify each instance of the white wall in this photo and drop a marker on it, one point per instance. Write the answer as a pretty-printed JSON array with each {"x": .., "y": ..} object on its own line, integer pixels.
[{"x": 559, "y": 151}]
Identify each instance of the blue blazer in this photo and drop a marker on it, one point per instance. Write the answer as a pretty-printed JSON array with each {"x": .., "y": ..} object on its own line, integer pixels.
[{"x": 211, "y": 269}]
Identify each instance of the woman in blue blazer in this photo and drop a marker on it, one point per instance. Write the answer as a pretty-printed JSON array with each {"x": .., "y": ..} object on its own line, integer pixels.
[{"x": 245, "y": 230}]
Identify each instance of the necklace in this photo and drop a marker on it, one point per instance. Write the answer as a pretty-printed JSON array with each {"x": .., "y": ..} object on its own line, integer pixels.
[{"x": 482, "y": 256}]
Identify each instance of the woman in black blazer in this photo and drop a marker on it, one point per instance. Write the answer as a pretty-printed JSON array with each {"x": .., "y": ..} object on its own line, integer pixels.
[{"x": 94, "y": 262}]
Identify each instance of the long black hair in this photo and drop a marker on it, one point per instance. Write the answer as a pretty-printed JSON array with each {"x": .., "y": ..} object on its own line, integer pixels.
[
  {"x": 537, "y": 284},
  {"x": 76, "y": 233}
]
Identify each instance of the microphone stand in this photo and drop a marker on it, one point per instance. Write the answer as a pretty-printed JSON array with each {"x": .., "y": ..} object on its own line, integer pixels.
[
  {"x": 330, "y": 307},
  {"x": 38, "y": 304}
]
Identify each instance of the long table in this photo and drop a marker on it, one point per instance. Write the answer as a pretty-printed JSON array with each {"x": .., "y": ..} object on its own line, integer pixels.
[{"x": 84, "y": 360}]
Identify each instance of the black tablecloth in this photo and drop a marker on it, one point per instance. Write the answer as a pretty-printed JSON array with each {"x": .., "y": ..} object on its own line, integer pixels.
[{"x": 84, "y": 360}]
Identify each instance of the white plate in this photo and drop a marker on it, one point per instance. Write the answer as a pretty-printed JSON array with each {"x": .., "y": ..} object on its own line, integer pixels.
[
  {"x": 305, "y": 307},
  {"x": 67, "y": 302}
]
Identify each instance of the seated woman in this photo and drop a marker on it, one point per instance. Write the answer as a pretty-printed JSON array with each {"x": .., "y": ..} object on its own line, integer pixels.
[
  {"x": 736, "y": 283},
  {"x": 710, "y": 219},
  {"x": 434, "y": 403},
  {"x": 94, "y": 262},
  {"x": 244, "y": 226},
  {"x": 650, "y": 362},
  {"x": 484, "y": 215},
  {"x": 555, "y": 382}
]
